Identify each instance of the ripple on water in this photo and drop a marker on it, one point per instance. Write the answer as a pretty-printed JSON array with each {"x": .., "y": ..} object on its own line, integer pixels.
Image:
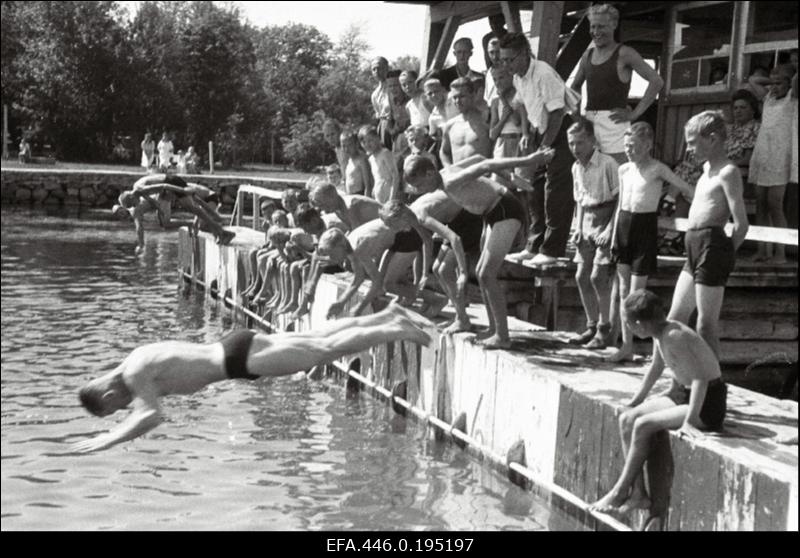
[{"x": 282, "y": 454}]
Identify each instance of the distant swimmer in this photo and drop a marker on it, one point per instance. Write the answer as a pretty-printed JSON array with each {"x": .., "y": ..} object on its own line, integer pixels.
[
  {"x": 174, "y": 367},
  {"x": 158, "y": 192}
]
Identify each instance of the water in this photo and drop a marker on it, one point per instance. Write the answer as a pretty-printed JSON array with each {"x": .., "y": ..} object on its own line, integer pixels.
[{"x": 287, "y": 453}]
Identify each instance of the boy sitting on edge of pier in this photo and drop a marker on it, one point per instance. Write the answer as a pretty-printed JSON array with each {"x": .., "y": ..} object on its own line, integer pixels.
[
  {"x": 696, "y": 400},
  {"x": 595, "y": 180}
]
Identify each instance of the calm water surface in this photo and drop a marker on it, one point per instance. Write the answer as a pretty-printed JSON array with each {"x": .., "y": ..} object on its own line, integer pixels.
[{"x": 283, "y": 454}]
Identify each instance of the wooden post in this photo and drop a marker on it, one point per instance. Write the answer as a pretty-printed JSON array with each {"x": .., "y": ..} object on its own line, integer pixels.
[
  {"x": 511, "y": 15},
  {"x": 5, "y": 131},
  {"x": 272, "y": 148},
  {"x": 211, "y": 157},
  {"x": 545, "y": 30},
  {"x": 741, "y": 15},
  {"x": 448, "y": 34}
]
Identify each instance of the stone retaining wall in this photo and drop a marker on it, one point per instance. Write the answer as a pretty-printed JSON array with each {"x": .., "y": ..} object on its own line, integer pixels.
[{"x": 100, "y": 189}]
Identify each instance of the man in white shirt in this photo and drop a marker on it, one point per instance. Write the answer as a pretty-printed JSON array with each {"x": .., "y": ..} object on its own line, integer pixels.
[
  {"x": 381, "y": 100},
  {"x": 542, "y": 91}
]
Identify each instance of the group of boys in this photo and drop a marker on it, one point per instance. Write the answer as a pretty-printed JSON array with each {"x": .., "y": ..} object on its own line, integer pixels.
[{"x": 471, "y": 205}]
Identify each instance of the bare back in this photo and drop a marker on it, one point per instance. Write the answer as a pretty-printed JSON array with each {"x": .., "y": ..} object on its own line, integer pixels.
[
  {"x": 361, "y": 209},
  {"x": 687, "y": 355},
  {"x": 477, "y": 196},
  {"x": 174, "y": 367},
  {"x": 371, "y": 239},
  {"x": 436, "y": 205}
]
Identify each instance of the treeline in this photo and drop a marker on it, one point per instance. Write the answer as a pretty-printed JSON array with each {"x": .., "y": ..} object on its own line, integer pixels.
[{"x": 86, "y": 78}]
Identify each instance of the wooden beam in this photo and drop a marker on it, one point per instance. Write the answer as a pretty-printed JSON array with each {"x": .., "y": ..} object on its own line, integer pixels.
[
  {"x": 446, "y": 40},
  {"x": 545, "y": 29},
  {"x": 467, "y": 11},
  {"x": 741, "y": 15},
  {"x": 432, "y": 34},
  {"x": 511, "y": 15},
  {"x": 759, "y": 234},
  {"x": 571, "y": 52}
]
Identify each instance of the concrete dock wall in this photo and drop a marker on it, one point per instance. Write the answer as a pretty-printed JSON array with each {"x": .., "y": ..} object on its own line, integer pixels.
[{"x": 560, "y": 403}]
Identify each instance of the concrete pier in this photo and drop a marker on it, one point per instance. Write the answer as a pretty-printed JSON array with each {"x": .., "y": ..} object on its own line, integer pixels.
[{"x": 559, "y": 404}]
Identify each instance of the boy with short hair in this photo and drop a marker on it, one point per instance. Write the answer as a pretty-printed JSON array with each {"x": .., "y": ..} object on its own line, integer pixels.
[
  {"x": 696, "y": 400},
  {"x": 595, "y": 187},
  {"x": 357, "y": 174},
  {"x": 417, "y": 137},
  {"x": 442, "y": 109},
  {"x": 417, "y": 106},
  {"x": 711, "y": 254},
  {"x": 508, "y": 125},
  {"x": 635, "y": 239},
  {"x": 467, "y": 133},
  {"x": 334, "y": 175},
  {"x": 381, "y": 161}
]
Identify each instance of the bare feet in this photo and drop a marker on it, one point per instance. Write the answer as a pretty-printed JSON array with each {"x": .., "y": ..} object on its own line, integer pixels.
[
  {"x": 496, "y": 342},
  {"x": 485, "y": 334},
  {"x": 620, "y": 355},
  {"x": 457, "y": 326},
  {"x": 418, "y": 320},
  {"x": 635, "y": 502},
  {"x": 610, "y": 503}
]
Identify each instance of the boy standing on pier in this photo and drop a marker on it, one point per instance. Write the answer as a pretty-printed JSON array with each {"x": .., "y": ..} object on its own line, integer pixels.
[
  {"x": 596, "y": 185},
  {"x": 696, "y": 399},
  {"x": 711, "y": 254}
]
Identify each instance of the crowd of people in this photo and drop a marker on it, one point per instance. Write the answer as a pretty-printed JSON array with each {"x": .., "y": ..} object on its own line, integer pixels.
[
  {"x": 484, "y": 163},
  {"x": 161, "y": 156}
]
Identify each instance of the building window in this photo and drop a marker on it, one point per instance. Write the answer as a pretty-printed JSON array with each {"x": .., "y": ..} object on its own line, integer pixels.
[
  {"x": 771, "y": 36},
  {"x": 702, "y": 47}
]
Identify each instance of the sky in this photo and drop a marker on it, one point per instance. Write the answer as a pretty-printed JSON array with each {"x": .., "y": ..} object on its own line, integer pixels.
[{"x": 392, "y": 30}]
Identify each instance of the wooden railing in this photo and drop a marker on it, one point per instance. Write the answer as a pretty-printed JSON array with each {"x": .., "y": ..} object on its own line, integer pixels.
[
  {"x": 759, "y": 234},
  {"x": 257, "y": 192}
]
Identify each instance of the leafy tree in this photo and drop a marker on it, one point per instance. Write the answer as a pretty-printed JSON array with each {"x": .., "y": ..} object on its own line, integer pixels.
[{"x": 305, "y": 146}]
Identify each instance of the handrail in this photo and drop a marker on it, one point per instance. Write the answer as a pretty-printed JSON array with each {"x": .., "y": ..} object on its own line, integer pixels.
[
  {"x": 257, "y": 192},
  {"x": 759, "y": 234}
]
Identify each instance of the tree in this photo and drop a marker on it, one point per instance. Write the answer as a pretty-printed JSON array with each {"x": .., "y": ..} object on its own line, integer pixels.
[
  {"x": 305, "y": 146},
  {"x": 344, "y": 91},
  {"x": 407, "y": 62}
]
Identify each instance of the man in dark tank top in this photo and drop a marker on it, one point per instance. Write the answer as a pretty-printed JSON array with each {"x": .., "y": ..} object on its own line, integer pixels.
[{"x": 607, "y": 68}]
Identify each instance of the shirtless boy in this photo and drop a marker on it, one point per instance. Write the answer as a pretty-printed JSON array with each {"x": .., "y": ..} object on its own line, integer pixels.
[
  {"x": 468, "y": 133},
  {"x": 364, "y": 248},
  {"x": 696, "y": 400},
  {"x": 157, "y": 192},
  {"x": 173, "y": 367},
  {"x": 636, "y": 222},
  {"x": 711, "y": 254},
  {"x": 502, "y": 213},
  {"x": 353, "y": 210}
]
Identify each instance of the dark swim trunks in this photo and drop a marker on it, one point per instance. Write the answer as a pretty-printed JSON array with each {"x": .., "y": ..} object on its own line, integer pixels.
[
  {"x": 712, "y": 413},
  {"x": 236, "y": 346},
  {"x": 637, "y": 241},
  {"x": 508, "y": 207},
  {"x": 407, "y": 241},
  {"x": 710, "y": 256},
  {"x": 175, "y": 181},
  {"x": 469, "y": 228},
  {"x": 212, "y": 197}
]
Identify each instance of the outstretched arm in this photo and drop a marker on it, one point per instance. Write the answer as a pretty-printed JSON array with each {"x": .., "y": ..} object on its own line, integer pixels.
[
  {"x": 458, "y": 249},
  {"x": 145, "y": 416},
  {"x": 487, "y": 166},
  {"x": 653, "y": 373},
  {"x": 369, "y": 269},
  {"x": 358, "y": 277}
]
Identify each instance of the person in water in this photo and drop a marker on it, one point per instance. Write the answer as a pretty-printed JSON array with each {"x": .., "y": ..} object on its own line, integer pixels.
[{"x": 176, "y": 367}]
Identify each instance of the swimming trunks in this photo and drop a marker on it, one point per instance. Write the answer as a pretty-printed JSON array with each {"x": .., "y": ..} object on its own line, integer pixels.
[
  {"x": 175, "y": 181},
  {"x": 712, "y": 413},
  {"x": 407, "y": 241},
  {"x": 236, "y": 346},
  {"x": 213, "y": 197},
  {"x": 508, "y": 207},
  {"x": 710, "y": 256},
  {"x": 469, "y": 228},
  {"x": 637, "y": 241}
]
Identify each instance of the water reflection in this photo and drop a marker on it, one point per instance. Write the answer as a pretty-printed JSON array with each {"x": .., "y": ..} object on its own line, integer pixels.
[{"x": 279, "y": 454}]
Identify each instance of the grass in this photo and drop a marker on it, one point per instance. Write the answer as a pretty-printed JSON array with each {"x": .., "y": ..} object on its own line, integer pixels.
[{"x": 254, "y": 170}]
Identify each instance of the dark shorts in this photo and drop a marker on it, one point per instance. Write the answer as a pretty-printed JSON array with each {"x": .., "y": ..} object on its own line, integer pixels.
[
  {"x": 710, "y": 256},
  {"x": 469, "y": 228},
  {"x": 236, "y": 346},
  {"x": 175, "y": 181},
  {"x": 712, "y": 413},
  {"x": 407, "y": 241},
  {"x": 637, "y": 241},
  {"x": 509, "y": 207},
  {"x": 213, "y": 197}
]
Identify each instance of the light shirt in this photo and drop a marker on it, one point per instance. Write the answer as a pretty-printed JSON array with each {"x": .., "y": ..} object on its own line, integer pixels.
[
  {"x": 381, "y": 103},
  {"x": 542, "y": 91},
  {"x": 597, "y": 182},
  {"x": 385, "y": 175},
  {"x": 418, "y": 112},
  {"x": 490, "y": 91}
]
